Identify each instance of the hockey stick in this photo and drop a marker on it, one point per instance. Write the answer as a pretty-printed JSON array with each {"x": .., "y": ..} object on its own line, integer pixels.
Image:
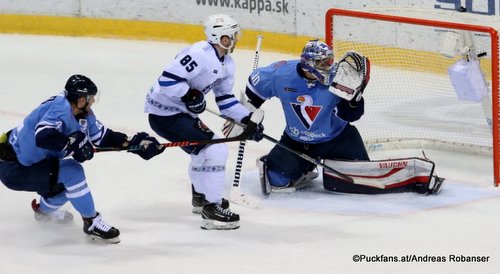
[
  {"x": 310, "y": 159},
  {"x": 235, "y": 195},
  {"x": 306, "y": 157},
  {"x": 247, "y": 132}
]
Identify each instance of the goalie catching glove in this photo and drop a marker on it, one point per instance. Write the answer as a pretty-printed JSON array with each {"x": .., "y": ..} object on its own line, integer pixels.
[{"x": 352, "y": 74}]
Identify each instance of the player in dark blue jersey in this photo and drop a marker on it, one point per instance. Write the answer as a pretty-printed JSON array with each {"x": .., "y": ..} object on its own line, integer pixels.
[{"x": 44, "y": 155}]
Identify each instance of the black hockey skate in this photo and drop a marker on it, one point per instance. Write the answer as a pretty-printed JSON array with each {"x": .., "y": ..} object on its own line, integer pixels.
[
  {"x": 198, "y": 201},
  {"x": 59, "y": 216},
  {"x": 97, "y": 230},
  {"x": 218, "y": 218}
]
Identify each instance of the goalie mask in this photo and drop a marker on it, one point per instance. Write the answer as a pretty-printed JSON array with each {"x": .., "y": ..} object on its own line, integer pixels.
[
  {"x": 317, "y": 59},
  {"x": 219, "y": 25}
]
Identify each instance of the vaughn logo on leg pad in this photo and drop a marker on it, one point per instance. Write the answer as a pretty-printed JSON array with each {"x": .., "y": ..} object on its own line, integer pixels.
[{"x": 386, "y": 176}]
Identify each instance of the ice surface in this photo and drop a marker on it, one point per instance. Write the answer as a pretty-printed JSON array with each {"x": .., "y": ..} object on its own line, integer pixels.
[{"x": 149, "y": 201}]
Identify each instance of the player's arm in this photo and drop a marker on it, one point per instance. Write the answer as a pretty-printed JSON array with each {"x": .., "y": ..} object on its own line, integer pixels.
[
  {"x": 49, "y": 136},
  {"x": 48, "y": 131},
  {"x": 259, "y": 87},
  {"x": 350, "y": 111},
  {"x": 141, "y": 143},
  {"x": 176, "y": 76},
  {"x": 251, "y": 100}
]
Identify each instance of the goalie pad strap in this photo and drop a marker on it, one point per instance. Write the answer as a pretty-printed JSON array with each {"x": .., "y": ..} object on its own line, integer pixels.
[{"x": 376, "y": 177}]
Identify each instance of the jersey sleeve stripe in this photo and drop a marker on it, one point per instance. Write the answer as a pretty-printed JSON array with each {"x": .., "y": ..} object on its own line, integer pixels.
[
  {"x": 228, "y": 105},
  {"x": 173, "y": 76},
  {"x": 167, "y": 83},
  {"x": 224, "y": 97}
]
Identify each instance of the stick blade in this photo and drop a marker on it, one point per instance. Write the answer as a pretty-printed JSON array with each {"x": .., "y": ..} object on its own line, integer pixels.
[{"x": 242, "y": 199}]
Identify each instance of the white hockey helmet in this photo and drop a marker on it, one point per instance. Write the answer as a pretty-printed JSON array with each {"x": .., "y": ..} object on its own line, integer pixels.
[{"x": 219, "y": 25}]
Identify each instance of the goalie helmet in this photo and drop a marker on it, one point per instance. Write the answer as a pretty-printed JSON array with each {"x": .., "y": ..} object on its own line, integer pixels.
[
  {"x": 317, "y": 59},
  {"x": 219, "y": 25},
  {"x": 79, "y": 86}
]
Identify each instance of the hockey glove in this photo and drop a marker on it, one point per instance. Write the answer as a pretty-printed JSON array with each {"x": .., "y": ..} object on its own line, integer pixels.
[
  {"x": 145, "y": 146},
  {"x": 258, "y": 134},
  {"x": 80, "y": 146},
  {"x": 352, "y": 74},
  {"x": 194, "y": 101}
]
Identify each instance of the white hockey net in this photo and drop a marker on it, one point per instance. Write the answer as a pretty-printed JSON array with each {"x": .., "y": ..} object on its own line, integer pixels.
[{"x": 410, "y": 90}]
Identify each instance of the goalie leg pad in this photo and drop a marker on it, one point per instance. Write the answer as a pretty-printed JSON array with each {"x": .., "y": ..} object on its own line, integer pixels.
[{"x": 378, "y": 177}]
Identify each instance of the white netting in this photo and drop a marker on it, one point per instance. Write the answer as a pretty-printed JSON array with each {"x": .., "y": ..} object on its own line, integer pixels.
[{"x": 409, "y": 85}]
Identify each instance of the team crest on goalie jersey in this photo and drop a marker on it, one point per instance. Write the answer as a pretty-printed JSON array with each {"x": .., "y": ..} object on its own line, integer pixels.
[{"x": 305, "y": 110}]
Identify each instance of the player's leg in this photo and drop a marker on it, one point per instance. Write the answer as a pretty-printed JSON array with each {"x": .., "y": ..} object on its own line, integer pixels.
[
  {"x": 282, "y": 171},
  {"x": 41, "y": 178},
  {"x": 207, "y": 166},
  {"x": 181, "y": 127},
  {"x": 348, "y": 145},
  {"x": 77, "y": 191}
]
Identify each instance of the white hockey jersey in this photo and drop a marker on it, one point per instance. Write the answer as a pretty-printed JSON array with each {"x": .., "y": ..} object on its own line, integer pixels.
[{"x": 196, "y": 67}]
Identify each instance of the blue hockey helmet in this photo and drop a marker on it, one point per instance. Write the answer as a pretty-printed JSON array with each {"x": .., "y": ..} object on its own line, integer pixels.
[
  {"x": 79, "y": 86},
  {"x": 317, "y": 59}
]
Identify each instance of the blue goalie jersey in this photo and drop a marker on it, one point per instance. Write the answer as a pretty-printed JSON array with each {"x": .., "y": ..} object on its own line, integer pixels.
[{"x": 308, "y": 106}]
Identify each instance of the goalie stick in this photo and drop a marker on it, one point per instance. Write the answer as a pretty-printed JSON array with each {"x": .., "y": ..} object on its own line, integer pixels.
[
  {"x": 247, "y": 132},
  {"x": 235, "y": 195},
  {"x": 339, "y": 175}
]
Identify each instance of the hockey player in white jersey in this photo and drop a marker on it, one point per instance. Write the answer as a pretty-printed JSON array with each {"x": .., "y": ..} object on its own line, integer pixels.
[
  {"x": 178, "y": 96},
  {"x": 44, "y": 155}
]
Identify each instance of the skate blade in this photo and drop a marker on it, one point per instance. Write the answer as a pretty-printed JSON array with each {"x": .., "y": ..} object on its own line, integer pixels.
[
  {"x": 97, "y": 239},
  {"x": 216, "y": 225}
]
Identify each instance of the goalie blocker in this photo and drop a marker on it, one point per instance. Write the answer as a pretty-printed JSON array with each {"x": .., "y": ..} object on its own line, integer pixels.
[{"x": 387, "y": 176}]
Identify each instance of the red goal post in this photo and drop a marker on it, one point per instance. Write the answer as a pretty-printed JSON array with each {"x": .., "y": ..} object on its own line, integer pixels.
[{"x": 410, "y": 85}]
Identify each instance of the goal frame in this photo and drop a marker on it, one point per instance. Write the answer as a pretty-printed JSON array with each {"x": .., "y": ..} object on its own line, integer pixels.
[{"x": 442, "y": 24}]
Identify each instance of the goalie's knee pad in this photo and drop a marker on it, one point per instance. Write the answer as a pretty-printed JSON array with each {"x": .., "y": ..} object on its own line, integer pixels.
[
  {"x": 271, "y": 177},
  {"x": 278, "y": 179},
  {"x": 277, "y": 182}
]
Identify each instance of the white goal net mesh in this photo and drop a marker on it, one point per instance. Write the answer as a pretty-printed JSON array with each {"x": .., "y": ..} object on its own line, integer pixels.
[{"x": 409, "y": 89}]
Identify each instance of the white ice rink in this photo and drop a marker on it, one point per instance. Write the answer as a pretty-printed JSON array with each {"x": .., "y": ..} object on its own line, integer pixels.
[{"x": 150, "y": 201}]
